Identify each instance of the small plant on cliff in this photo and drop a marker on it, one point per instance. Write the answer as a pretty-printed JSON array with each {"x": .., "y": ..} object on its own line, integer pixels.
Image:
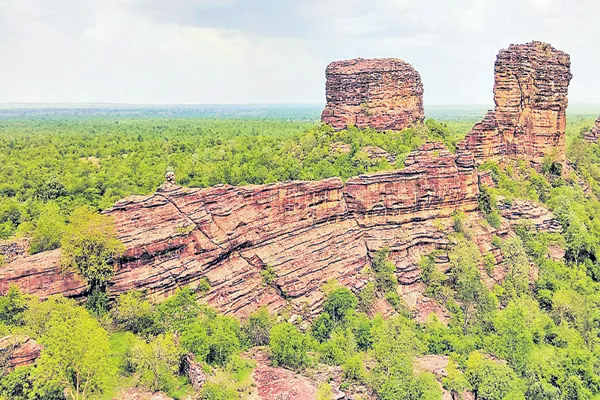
[
  {"x": 268, "y": 275},
  {"x": 385, "y": 277},
  {"x": 90, "y": 247}
]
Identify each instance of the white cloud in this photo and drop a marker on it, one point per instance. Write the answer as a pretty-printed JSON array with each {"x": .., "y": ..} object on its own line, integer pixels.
[{"x": 208, "y": 51}]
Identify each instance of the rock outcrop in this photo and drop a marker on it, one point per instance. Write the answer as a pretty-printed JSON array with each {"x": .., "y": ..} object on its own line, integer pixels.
[
  {"x": 530, "y": 93},
  {"x": 594, "y": 134},
  {"x": 307, "y": 233},
  {"x": 380, "y": 93},
  {"x": 17, "y": 351}
]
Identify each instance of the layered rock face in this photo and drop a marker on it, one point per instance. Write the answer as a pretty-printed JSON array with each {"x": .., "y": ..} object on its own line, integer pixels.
[
  {"x": 530, "y": 93},
  {"x": 307, "y": 233},
  {"x": 380, "y": 93},
  {"x": 593, "y": 135},
  {"x": 17, "y": 351}
]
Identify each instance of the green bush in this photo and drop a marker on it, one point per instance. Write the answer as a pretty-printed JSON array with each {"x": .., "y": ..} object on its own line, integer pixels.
[
  {"x": 258, "y": 327},
  {"x": 288, "y": 346},
  {"x": 494, "y": 219},
  {"x": 385, "y": 271},
  {"x": 339, "y": 302}
]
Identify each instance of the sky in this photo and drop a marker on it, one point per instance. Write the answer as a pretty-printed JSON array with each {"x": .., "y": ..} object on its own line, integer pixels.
[{"x": 274, "y": 51}]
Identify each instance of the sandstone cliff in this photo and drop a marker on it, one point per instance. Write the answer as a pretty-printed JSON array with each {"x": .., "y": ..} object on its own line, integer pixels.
[
  {"x": 306, "y": 232},
  {"x": 380, "y": 93},
  {"x": 594, "y": 134},
  {"x": 530, "y": 93}
]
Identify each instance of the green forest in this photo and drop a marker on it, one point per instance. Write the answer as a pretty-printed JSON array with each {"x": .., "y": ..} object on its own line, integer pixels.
[{"x": 523, "y": 339}]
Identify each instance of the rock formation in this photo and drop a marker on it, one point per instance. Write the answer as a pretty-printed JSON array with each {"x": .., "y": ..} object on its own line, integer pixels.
[
  {"x": 594, "y": 134},
  {"x": 307, "y": 232},
  {"x": 530, "y": 93},
  {"x": 379, "y": 93},
  {"x": 17, "y": 351}
]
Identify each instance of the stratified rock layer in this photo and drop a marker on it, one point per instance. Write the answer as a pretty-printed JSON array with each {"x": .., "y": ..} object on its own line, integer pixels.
[
  {"x": 307, "y": 232},
  {"x": 379, "y": 93},
  {"x": 594, "y": 134},
  {"x": 17, "y": 351},
  {"x": 530, "y": 93}
]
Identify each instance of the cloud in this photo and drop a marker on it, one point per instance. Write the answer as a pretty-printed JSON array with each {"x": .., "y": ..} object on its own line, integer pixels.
[{"x": 228, "y": 51}]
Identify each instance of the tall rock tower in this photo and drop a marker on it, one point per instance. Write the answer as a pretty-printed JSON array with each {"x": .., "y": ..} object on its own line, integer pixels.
[
  {"x": 379, "y": 93},
  {"x": 530, "y": 93}
]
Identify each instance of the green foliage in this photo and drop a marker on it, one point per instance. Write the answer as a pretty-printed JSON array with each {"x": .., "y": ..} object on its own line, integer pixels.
[
  {"x": 218, "y": 391},
  {"x": 258, "y": 327},
  {"x": 517, "y": 263},
  {"x": 157, "y": 362},
  {"x": 288, "y": 346},
  {"x": 339, "y": 302},
  {"x": 214, "y": 339},
  {"x": 366, "y": 297},
  {"x": 354, "y": 368},
  {"x": 459, "y": 222},
  {"x": 12, "y": 306},
  {"x": 338, "y": 348},
  {"x": 325, "y": 392},
  {"x": 268, "y": 275},
  {"x": 493, "y": 218},
  {"x": 385, "y": 278},
  {"x": 492, "y": 380},
  {"x": 470, "y": 291},
  {"x": 89, "y": 246},
  {"x": 134, "y": 313},
  {"x": 76, "y": 353},
  {"x": 485, "y": 200},
  {"x": 178, "y": 311},
  {"x": 321, "y": 327},
  {"x": 49, "y": 229},
  {"x": 496, "y": 241}
]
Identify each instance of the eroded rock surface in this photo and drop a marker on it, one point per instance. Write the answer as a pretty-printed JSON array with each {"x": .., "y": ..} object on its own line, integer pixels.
[
  {"x": 379, "y": 93},
  {"x": 593, "y": 135},
  {"x": 530, "y": 93},
  {"x": 18, "y": 351},
  {"x": 307, "y": 232}
]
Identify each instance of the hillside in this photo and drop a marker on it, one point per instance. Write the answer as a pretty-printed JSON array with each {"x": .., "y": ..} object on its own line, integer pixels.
[{"x": 379, "y": 255}]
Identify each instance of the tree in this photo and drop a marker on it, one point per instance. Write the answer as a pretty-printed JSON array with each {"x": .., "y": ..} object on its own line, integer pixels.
[
  {"x": 471, "y": 293},
  {"x": 157, "y": 362},
  {"x": 258, "y": 327},
  {"x": 134, "y": 313},
  {"x": 223, "y": 339},
  {"x": 76, "y": 354},
  {"x": 385, "y": 271},
  {"x": 339, "y": 347},
  {"x": 12, "y": 306},
  {"x": 176, "y": 312},
  {"x": 49, "y": 229},
  {"x": 339, "y": 302},
  {"x": 288, "y": 346},
  {"x": 492, "y": 380},
  {"x": 366, "y": 297},
  {"x": 90, "y": 246},
  {"x": 517, "y": 263},
  {"x": 455, "y": 381},
  {"x": 322, "y": 327},
  {"x": 214, "y": 339},
  {"x": 514, "y": 341}
]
